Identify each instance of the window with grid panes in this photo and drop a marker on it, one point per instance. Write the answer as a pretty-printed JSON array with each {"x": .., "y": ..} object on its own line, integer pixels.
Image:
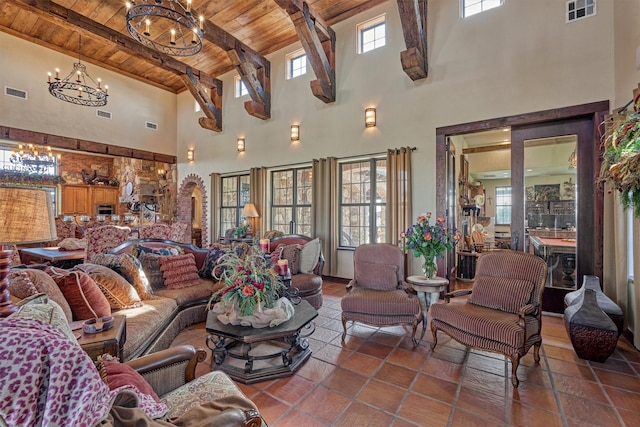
[
  {"x": 503, "y": 205},
  {"x": 234, "y": 195},
  {"x": 473, "y": 7},
  {"x": 363, "y": 199},
  {"x": 372, "y": 34},
  {"x": 291, "y": 200},
  {"x": 297, "y": 64}
]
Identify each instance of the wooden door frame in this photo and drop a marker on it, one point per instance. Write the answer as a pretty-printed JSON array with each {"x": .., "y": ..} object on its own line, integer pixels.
[{"x": 590, "y": 153}]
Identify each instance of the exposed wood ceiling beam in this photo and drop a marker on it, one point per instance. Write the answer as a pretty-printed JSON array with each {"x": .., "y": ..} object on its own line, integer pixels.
[
  {"x": 413, "y": 16},
  {"x": 211, "y": 105},
  {"x": 319, "y": 43}
]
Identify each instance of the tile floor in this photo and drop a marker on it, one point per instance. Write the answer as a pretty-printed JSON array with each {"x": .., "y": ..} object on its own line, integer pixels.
[{"x": 377, "y": 378}]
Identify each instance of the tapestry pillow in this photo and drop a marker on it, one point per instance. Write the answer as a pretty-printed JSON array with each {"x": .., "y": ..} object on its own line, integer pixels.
[
  {"x": 292, "y": 254},
  {"x": 41, "y": 308},
  {"x": 211, "y": 261},
  {"x": 116, "y": 374},
  {"x": 309, "y": 255},
  {"x": 82, "y": 293},
  {"x": 179, "y": 271},
  {"x": 120, "y": 293},
  {"x": 26, "y": 282},
  {"x": 128, "y": 267},
  {"x": 378, "y": 277},
  {"x": 501, "y": 293},
  {"x": 140, "y": 249},
  {"x": 151, "y": 267}
]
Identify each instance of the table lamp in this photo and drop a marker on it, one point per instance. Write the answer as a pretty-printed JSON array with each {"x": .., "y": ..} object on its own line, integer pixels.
[
  {"x": 249, "y": 211},
  {"x": 26, "y": 216}
]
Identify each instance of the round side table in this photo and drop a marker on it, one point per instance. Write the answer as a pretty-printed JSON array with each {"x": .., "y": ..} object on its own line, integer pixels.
[{"x": 428, "y": 293}]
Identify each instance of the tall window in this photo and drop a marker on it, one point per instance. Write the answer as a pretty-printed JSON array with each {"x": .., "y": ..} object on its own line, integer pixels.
[
  {"x": 363, "y": 198},
  {"x": 241, "y": 89},
  {"x": 235, "y": 194},
  {"x": 291, "y": 200},
  {"x": 296, "y": 64},
  {"x": 372, "y": 34},
  {"x": 472, "y": 7},
  {"x": 503, "y": 205}
]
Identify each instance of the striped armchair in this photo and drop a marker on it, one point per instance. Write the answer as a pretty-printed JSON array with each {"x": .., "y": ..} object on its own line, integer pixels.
[{"x": 503, "y": 313}]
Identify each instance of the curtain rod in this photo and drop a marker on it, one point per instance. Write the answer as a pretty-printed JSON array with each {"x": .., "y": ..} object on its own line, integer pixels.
[{"x": 306, "y": 163}]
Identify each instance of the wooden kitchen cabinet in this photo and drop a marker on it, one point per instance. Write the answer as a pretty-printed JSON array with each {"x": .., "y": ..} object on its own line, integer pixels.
[
  {"x": 76, "y": 199},
  {"x": 104, "y": 195}
]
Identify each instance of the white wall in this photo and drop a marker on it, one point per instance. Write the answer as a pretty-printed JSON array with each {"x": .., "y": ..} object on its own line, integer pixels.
[
  {"x": 518, "y": 58},
  {"x": 24, "y": 66},
  {"x": 627, "y": 46}
]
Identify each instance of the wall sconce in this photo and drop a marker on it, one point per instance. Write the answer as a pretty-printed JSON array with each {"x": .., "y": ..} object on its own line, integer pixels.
[
  {"x": 240, "y": 145},
  {"x": 162, "y": 174},
  {"x": 370, "y": 117},
  {"x": 190, "y": 155},
  {"x": 295, "y": 133}
]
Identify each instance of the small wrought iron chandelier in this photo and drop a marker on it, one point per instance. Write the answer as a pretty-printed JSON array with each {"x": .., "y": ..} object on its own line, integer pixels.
[
  {"x": 78, "y": 87},
  {"x": 33, "y": 159},
  {"x": 175, "y": 30}
]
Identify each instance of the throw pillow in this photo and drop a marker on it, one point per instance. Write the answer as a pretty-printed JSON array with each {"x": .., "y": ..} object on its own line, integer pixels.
[
  {"x": 41, "y": 308},
  {"x": 379, "y": 277},
  {"x": 501, "y": 293},
  {"x": 292, "y": 254},
  {"x": 128, "y": 267},
  {"x": 309, "y": 255},
  {"x": 179, "y": 271},
  {"x": 118, "y": 291},
  {"x": 26, "y": 282},
  {"x": 81, "y": 292},
  {"x": 116, "y": 374},
  {"x": 151, "y": 267},
  {"x": 211, "y": 261},
  {"x": 140, "y": 249}
]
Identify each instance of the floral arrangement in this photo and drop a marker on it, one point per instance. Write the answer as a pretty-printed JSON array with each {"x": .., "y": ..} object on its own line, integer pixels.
[
  {"x": 241, "y": 230},
  {"x": 621, "y": 162},
  {"x": 428, "y": 241},
  {"x": 249, "y": 281}
]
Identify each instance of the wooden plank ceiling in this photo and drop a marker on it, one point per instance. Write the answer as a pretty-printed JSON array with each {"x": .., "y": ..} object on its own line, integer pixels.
[{"x": 262, "y": 25}]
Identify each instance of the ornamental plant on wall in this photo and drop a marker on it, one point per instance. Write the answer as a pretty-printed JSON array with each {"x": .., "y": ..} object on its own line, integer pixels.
[{"x": 621, "y": 164}]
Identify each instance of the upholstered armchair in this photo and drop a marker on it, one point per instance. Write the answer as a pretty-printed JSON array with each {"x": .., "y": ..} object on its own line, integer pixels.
[
  {"x": 503, "y": 313},
  {"x": 101, "y": 239},
  {"x": 377, "y": 295},
  {"x": 155, "y": 231}
]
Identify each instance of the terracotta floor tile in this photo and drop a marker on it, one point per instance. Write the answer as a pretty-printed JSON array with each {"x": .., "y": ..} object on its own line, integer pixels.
[
  {"x": 580, "y": 388},
  {"x": 627, "y": 382},
  {"x": 385, "y": 338},
  {"x": 297, "y": 418},
  {"x": 397, "y": 375},
  {"x": 523, "y": 415},
  {"x": 359, "y": 414},
  {"x": 532, "y": 375},
  {"x": 443, "y": 369},
  {"x": 485, "y": 382},
  {"x": 290, "y": 390},
  {"x": 623, "y": 399},
  {"x": 630, "y": 418},
  {"x": 421, "y": 410},
  {"x": 332, "y": 354},
  {"x": 362, "y": 364},
  {"x": 462, "y": 418},
  {"x": 270, "y": 408},
  {"x": 536, "y": 396},
  {"x": 374, "y": 349},
  {"x": 435, "y": 388},
  {"x": 485, "y": 404},
  {"x": 345, "y": 382},
  {"x": 449, "y": 354},
  {"x": 399, "y": 422},
  {"x": 488, "y": 364},
  {"x": 620, "y": 366},
  {"x": 382, "y": 395},
  {"x": 566, "y": 354},
  {"x": 407, "y": 358},
  {"x": 315, "y": 370},
  {"x": 324, "y": 334},
  {"x": 324, "y": 404},
  {"x": 568, "y": 368},
  {"x": 587, "y": 411}
]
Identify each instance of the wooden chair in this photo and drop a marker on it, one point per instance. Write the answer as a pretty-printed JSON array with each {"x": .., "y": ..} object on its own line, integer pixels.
[{"x": 503, "y": 313}]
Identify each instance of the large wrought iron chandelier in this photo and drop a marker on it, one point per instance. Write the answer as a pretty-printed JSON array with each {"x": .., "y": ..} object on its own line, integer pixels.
[
  {"x": 165, "y": 26},
  {"x": 33, "y": 159},
  {"x": 78, "y": 87}
]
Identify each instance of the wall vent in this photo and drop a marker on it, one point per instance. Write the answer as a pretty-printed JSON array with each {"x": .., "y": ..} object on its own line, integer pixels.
[
  {"x": 153, "y": 126},
  {"x": 578, "y": 9},
  {"x": 22, "y": 94},
  {"x": 103, "y": 114}
]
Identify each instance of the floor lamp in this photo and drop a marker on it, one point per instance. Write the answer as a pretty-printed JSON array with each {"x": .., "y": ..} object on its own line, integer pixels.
[{"x": 26, "y": 216}]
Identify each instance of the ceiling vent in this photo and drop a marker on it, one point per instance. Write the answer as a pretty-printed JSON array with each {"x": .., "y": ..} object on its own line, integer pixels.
[
  {"x": 22, "y": 94},
  {"x": 152, "y": 126},
  {"x": 103, "y": 114}
]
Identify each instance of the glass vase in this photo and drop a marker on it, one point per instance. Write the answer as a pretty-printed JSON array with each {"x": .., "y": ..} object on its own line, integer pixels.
[{"x": 429, "y": 267}]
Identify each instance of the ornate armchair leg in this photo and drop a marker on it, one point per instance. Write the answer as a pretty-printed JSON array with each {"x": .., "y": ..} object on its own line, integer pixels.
[
  {"x": 413, "y": 334},
  {"x": 515, "y": 362},
  {"x": 344, "y": 327},
  {"x": 434, "y": 331},
  {"x": 536, "y": 352}
]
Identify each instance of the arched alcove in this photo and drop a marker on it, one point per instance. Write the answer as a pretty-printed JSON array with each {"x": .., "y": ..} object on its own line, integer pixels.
[{"x": 190, "y": 182}]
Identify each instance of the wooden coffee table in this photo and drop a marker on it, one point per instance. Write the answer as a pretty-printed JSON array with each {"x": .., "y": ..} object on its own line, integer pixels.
[
  {"x": 110, "y": 341},
  {"x": 250, "y": 355}
]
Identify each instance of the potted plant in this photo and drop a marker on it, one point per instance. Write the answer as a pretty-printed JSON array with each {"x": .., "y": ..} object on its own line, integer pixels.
[{"x": 621, "y": 162}]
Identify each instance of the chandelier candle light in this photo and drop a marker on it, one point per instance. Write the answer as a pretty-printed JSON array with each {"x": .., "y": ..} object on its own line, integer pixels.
[
  {"x": 428, "y": 241},
  {"x": 166, "y": 26},
  {"x": 33, "y": 159},
  {"x": 78, "y": 87}
]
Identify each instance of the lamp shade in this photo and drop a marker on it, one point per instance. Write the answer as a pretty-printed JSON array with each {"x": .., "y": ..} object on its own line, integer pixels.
[
  {"x": 26, "y": 216},
  {"x": 250, "y": 211}
]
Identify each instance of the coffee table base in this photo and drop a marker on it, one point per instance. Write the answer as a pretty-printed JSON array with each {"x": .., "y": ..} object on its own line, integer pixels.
[{"x": 250, "y": 363}]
